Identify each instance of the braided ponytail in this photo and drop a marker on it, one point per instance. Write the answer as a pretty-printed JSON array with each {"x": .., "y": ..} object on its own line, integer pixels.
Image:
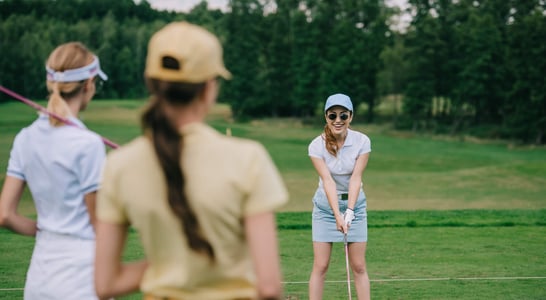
[{"x": 168, "y": 145}]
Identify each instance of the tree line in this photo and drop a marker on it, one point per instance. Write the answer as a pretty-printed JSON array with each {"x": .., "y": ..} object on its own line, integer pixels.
[{"x": 461, "y": 66}]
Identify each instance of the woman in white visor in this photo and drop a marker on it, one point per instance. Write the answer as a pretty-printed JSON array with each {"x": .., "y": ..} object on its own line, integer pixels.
[{"x": 61, "y": 166}]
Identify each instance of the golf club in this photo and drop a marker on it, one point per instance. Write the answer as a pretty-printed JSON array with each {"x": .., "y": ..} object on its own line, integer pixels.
[
  {"x": 347, "y": 265},
  {"x": 45, "y": 111}
]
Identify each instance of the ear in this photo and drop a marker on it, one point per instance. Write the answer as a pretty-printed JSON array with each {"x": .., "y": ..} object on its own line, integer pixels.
[
  {"x": 88, "y": 84},
  {"x": 210, "y": 93}
]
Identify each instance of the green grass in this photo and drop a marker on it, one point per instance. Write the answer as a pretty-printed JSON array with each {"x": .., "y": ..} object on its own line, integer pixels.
[
  {"x": 405, "y": 171},
  {"x": 456, "y": 212},
  {"x": 466, "y": 254}
]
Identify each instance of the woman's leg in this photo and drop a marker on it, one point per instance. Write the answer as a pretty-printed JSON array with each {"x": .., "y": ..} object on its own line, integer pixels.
[
  {"x": 357, "y": 260},
  {"x": 321, "y": 260}
]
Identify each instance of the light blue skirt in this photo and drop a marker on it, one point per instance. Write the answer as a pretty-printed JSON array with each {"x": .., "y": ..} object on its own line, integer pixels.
[{"x": 324, "y": 222}]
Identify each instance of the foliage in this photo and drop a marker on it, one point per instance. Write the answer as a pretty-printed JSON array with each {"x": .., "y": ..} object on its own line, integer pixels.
[{"x": 486, "y": 59}]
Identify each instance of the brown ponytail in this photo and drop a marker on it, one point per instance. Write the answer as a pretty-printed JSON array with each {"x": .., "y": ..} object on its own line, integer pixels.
[
  {"x": 168, "y": 144},
  {"x": 330, "y": 141}
]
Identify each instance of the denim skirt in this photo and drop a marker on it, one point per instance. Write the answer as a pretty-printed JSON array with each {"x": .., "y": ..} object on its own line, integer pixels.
[{"x": 324, "y": 222}]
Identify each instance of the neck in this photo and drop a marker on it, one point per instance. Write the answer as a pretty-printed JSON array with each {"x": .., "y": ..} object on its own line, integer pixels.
[
  {"x": 75, "y": 105},
  {"x": 192, "y": 113},
  {"x": 340, "y": 138},
  {"x": 197, "y": 110}
]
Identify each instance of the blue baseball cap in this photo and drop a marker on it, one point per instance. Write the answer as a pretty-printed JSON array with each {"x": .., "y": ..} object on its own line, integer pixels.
[{"x": 338, "y": 100}]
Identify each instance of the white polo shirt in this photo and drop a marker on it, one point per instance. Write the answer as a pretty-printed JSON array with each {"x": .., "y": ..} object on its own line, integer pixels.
[
  {"x": 60, "y": 165},
  {"x": 341, "y": 167}
]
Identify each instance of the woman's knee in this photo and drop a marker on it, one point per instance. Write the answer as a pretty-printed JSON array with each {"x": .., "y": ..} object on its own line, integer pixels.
[
  {"x": 320, "y": 267},
  {"x": 359, "y": 268}
]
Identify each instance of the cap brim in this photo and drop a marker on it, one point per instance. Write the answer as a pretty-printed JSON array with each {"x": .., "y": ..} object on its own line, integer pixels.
[{"x": 225, "y": 74}]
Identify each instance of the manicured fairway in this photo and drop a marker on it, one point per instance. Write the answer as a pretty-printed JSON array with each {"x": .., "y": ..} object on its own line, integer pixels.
[
  {"x": 467, "y": 254},
  {"x": 449, "y": 218},
  {"x": 405, "y": 171}
]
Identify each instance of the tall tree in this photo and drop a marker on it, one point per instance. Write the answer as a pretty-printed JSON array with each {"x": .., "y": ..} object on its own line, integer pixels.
[
  {"x": 242, "y": 54},
  {"x": 392, "y": 78},
  {"x": 306, "y": 62},
  {"x": 276, "y": 48},
  {"x": 525, "y": 110}
]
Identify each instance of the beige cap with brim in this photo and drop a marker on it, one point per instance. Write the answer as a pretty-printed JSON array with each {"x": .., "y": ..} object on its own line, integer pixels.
[{"x": 197, "y": 51}]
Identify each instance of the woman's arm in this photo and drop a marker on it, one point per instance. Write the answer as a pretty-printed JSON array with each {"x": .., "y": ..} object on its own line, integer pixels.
[
  {"x": 112, "y": 277},
  {"x": 9, "y": 201},
  {"x": 355, "y": 182},
  {"x": 330, "y": 189},
  {"x": 261, "y": 233},
  {"x": 90, "y": 202}
]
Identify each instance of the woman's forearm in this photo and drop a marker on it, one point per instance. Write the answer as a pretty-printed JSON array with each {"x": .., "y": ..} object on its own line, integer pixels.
[
  {"x": 9, "y": 201},
  {"x": 112, "y": 276},
  {"x": 125, "y": 282},
  {"x": 261, "y": 234},
  {"x": 20, "y": 224},
  {"x": 355, "y": 184}
]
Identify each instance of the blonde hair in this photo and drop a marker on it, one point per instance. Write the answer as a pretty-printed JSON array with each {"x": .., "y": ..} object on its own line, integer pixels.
[{"x": 65, "y": 57}]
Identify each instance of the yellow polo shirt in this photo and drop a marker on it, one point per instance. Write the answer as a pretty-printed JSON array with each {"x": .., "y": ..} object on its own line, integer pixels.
[{"x": 227, "y": 179}]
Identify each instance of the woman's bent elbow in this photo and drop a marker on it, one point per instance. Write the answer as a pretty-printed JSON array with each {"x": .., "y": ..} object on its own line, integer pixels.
[
  {"x": 102, "y": 290},
  {"x": 270, "y": 292},
  {"x": 4, "y": 218}
]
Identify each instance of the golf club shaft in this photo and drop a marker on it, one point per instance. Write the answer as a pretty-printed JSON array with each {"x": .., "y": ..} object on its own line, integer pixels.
[
  {"x": 45, "y": 111},
  {"x": 347, "y": 266}
]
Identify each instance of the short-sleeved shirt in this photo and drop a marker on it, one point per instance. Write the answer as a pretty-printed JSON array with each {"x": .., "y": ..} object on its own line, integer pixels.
[
  {"x": 227, "y": 179},
  {"x": 60, "y": 166},
  {"x": 341, "y": 166}
]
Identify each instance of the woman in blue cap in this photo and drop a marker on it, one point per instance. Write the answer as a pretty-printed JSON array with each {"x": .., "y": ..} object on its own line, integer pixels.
[
  {"x": 340, "y": 156},
  {"x": 61, "y": 166}
]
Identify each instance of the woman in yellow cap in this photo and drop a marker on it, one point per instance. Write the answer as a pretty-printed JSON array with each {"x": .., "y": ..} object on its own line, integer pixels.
[{"x": 202, "y": 203}]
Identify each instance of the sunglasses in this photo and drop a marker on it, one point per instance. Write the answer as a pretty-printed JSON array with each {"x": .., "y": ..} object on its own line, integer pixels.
[
  {"x": 99, "y": 84},
  {"x": 343, "y": 116}
]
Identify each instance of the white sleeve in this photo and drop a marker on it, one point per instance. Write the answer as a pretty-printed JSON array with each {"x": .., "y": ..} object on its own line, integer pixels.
[
  {"x": 316, "y": 147},
  {"x": 365, "y": 145},
  {"x": 16, "y": 162},
  {"x": 90, "y": 165}
]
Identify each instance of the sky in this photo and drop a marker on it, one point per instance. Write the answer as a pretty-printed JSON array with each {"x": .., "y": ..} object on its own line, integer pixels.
[
  {"x": 185, "y": 5},
  {"x": 400, "y": 23}
]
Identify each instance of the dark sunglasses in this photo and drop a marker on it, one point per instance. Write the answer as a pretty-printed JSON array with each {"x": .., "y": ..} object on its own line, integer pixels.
[{"x": 342, "y": 116}]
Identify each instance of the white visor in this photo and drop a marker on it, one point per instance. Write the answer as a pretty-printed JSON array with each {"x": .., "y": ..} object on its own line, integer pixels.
[{"x": 79, "y": 74}]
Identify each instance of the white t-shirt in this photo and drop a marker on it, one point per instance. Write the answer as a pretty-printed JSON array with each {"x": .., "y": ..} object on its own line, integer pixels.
[
  {"x": 60, "y": 165},
  {"x": 341, "y": 167}
]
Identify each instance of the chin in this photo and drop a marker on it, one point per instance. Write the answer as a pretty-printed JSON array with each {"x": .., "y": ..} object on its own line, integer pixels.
[{"x": 338, "y": 130}]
